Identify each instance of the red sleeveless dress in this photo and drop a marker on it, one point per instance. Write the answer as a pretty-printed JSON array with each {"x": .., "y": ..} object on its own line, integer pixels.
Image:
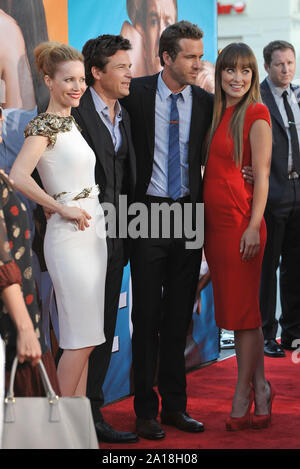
[{"x": 228, "y": 201}]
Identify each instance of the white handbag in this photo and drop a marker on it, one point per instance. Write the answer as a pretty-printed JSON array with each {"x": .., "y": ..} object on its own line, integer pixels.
[{"x": 49, "y": 422}]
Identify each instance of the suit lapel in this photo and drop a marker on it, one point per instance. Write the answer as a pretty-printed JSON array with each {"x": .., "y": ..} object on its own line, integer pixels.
[
  {"x": 131, "y": 153},
  {"x": 198, "y": 114},
  {"x": 197, "y": 118},
  {"x": 93, "y": 125},
  {"x": 148, "y": 103},
  {"x": 269, "y": 100}
]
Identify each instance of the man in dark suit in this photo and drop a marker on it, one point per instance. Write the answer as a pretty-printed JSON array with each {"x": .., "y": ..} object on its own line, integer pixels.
[
  {"x": 164, "y": 272},
  {"x": 105, "y": 125},
  {"x": 282, "y": 212}
]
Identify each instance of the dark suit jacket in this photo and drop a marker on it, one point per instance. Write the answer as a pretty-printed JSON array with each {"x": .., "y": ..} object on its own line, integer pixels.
[
  {"x": 280, "y": 147},
  {"x": 87, "y": 118},
  {"x": 141, "y": 107}
]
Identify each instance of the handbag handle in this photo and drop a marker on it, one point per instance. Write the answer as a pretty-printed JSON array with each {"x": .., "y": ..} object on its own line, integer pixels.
[
  {"x": 50, "y": 393},
  {"x": 9, "y": 412}
]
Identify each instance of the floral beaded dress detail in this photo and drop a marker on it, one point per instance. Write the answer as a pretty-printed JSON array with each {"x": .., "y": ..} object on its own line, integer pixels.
[
  {"x": 16, "y": 265},
  {"x": 49, "y": 125},
  {"x": 227, "y": 208},
  {"x": 76, "y": 260}
]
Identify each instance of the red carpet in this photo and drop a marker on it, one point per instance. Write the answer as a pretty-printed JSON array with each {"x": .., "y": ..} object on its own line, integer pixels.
[{"x": 210, "y": 390}]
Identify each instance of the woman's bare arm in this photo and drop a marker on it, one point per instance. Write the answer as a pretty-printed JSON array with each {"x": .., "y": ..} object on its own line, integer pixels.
[
  {"x": 25, "y": 163},
  {"x": 261, "y": 150}
]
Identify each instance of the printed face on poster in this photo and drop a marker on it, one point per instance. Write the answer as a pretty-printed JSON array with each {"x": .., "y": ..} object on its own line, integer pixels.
[
  {"x": 142, "y": 22},
  {"x": 24, "y": 25}
]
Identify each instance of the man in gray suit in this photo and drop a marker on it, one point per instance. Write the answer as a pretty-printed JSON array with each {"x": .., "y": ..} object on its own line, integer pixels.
[{"x": 282, "y": 212}]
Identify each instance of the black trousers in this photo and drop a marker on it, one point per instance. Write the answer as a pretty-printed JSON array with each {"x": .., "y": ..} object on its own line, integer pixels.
[
  {"x": 283, "y": 251},
  {"x": 100, "y": 357},
  {"x": 164, "y": 280}
]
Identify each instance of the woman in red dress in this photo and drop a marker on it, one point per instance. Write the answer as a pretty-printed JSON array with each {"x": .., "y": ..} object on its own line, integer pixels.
[{"x": 235, "y": 231}]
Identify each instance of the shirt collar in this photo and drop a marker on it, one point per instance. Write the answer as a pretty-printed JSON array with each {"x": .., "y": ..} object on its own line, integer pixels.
[
  {"x": 164, "y": 92},
  {"x": 102, "y": 107},
  {"x": 277, "y": 90}
]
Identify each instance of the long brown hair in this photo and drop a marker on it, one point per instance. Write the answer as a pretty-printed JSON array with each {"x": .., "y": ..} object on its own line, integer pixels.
[{"x": 229, "y": 57}]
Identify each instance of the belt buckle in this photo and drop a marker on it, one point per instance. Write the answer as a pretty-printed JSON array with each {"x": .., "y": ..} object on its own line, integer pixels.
[{"x": 83, "y": 194}]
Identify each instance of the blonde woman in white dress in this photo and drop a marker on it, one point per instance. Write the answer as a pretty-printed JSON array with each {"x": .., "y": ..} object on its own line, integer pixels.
[{"x": 75, "y": 244}]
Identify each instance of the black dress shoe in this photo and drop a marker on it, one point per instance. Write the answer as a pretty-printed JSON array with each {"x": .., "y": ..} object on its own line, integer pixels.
[
  {"x": 107, "y": 434},
  {"x": 182, "y": 421},
  {"x": 149, "y": 429},
  {"x": 273, "y": 349}
]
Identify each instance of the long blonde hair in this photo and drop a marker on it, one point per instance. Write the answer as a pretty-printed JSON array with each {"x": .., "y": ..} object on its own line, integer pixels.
[{"x": 230, "y": 56}]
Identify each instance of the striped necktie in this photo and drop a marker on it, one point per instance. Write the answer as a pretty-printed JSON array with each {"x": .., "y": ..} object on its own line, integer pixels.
[{"x": 174, "y": 170}]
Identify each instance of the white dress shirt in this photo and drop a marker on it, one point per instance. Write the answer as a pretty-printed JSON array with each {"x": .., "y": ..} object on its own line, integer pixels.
[
  {"x": 103, "y": 111},
  {"x": 294, "y": 103},
  {"x": 159, "y": 181}
]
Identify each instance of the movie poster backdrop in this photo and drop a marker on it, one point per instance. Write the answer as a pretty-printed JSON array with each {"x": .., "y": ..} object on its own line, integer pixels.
[{"x": 25, "y": 24}]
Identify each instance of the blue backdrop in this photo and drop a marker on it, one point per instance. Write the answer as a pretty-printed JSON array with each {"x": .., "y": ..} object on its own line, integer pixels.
[{"x": 93, "y": 17}]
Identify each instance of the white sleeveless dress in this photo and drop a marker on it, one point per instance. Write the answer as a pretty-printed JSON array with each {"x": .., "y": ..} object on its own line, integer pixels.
[{"x": 76, "y": 260}]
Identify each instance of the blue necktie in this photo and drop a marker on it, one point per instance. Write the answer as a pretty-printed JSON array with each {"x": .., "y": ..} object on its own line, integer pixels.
[{"x": 174, "y": 170}]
